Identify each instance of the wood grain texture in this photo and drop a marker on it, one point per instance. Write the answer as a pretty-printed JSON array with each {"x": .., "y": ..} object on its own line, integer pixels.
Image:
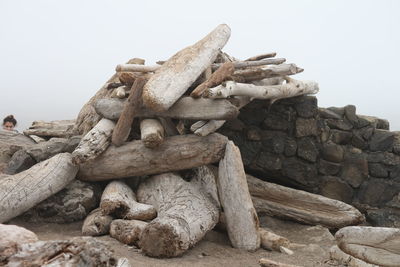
[
  {"x": 127, "y": 231},
  {"x": 96, "y": 223},
  {"x": 152, "y": 132},
  {"x": 61, "y": 128}
]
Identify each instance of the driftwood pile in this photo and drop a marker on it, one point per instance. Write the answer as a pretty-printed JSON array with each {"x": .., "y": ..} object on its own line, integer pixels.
[{"x": 155, "y": 125}]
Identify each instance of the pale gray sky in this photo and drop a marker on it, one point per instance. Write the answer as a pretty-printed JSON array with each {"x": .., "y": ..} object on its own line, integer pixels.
[{"x": 54, "y": 55}]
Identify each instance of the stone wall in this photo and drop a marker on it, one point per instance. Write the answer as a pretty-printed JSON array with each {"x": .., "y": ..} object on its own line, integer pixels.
[{"x": 330, "y": 151}]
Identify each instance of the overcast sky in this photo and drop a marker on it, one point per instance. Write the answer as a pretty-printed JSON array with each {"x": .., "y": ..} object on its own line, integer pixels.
[{"x": 54, "y": 55}]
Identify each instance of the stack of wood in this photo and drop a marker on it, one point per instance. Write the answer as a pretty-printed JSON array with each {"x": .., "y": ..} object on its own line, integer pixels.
[{"x": 139, "y": 126}]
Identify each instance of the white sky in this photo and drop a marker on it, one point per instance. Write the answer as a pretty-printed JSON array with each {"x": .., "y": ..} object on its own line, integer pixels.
[{"x": 54, "y": 55}]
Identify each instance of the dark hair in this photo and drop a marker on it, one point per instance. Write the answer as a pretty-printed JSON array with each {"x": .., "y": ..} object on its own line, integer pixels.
[{"x": 10, "y": 118}]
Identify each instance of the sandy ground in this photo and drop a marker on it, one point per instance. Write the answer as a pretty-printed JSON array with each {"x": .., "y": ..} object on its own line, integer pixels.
[{"x": 214, "y": 249}]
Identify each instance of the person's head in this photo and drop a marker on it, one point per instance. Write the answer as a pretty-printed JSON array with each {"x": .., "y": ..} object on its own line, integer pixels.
[{"x": 9, "y": 123}]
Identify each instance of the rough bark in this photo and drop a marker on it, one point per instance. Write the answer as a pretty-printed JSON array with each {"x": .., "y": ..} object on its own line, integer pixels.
[
  {"x": 94, "y": 142},
  {"x": 12, "y": 236},
  {"x": 119, "y": 200},
  {"x": 152, "y": 132},
  {"x": 24, "y": 190},
  {"x": 346, "y": 259},
  {"x": 376, "y": 245},
  {"x": 62, "y": 128},
  {"x": 270, "y": 263},
  {"x": 255, "y": 74},
  {"x": 130, "y": 111},
  {"x": 301, "y": 206},
  {"x": 96, "y": 223},
  {"x": 134, "y": 159},
  {"x": 185, "y": 108},
  {"x": 176, "y": 75},
  {"x": 241, "y": 217},
  {"x": 127, "y": 231},
  {"x": 185, "y": 215}
]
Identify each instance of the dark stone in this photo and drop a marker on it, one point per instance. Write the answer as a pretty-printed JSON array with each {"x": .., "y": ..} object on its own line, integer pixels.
[
  {"x": 339, "y": 111},
  {"x": 394, "y": 172},
  {"x": 273, "y": 141},
  {"x": 350, "y": 113},
  {"x": 328, "y": 168},
  {"x": 367, "y": 132},
  {"x": 253, "y": 116},
  {"x": 306, "y": 127},
  {"x": 71, "y": 204},
  {"x": 378, "y": 170},
  {"x": 371, "y": 191},
  {"x": 253, "y": 134},
  {"x": 307, "y": 149},
  {"x": 384, "y": 217},
  {"x": 355, "y": 169},
  {"x": 290, "y": 147},
  {"x": 358, "y": 141},
  {"x": 275, "y": 121},
  {"x": 235, "y": 125},
  {"x": 249, "y": 151},
  {"x": 382, "y": 124},
  {"x": 339, "y": 124},
  {"x": 361, "y": 122},
  {"x": 72, "y": 143},
  {"x": 307, "y": 106},
  {"x": 382, "y": 140},
  {"x": 20, "y": 161},
  {"x": 300, "y": 172},
  {"x": 341, "y": 137},
  {"x": 328, "y": 114},
  {"x": 332, "y": 152},
  {"x": 269, "y": 161},
  {"x": 386, "y": 158},
  {"x": 333, "y": 187}
]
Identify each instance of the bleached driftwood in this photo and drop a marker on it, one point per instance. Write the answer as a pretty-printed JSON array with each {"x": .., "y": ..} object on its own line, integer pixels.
[
  {"x": 255, "y": 74},
  {"x": 13, "y": 236},
  {"x": 134, "y": 159},
  {"x": 301, "y": 206},
  {"x": 128, "y": 78},
  {"x": 290, "y": 89},
  {"x": 376, "y": 245},
  {"x": 247, "y": 64},
  {"x": 22, "y": 191},
  {"x": 96, "y": 223},
  {"x": 119, "y": 200},
  {"x": 262, "y": 56},
  {"x": 186, "y": 108},
  {"x": 346, "y": 259},
  {"x": 136, "y": 68},
  {"x": 205, "y": 179},
  {"x": 219, "y": 76},
  {"x": 176, "y": 75},
  {"x": 270, "y": 263},
  {"x": 152, "y": 132},
  {"x": 185, "y": 215},
  {"x": 131, "y": 107},
  {"x": 94, "y": 142},
  {"x": 127, "y": 231},
  {"x": 241, "y": 217},
  {"x": 61, "y": 128},
  {"x": 272, "y": 241}
]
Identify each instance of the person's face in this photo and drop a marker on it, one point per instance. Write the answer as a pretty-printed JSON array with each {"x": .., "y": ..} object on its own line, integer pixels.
[{"x": 8, "y": 126}]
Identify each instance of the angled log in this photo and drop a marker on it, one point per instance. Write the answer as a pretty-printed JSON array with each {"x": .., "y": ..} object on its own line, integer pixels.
[
  {"x": 127, "y": 231},
  {"x": 130, "y": 111},
  {"x": 301, "y": 206},
  {"x": 119, "y": 200},
  {"x": 136, "y": 68},
  {"x": 176, "y": 75},
  {"x": 94, "y": 142},
  {"x": 134, "y": 159},
  {"x": 186, "y": 108},
  {"x": 22, "y": 191},
  {"x": 255, "y": 74},
  {"x": 169, "y": 126},
  {"x": 61, "y": 128},
  {"x": 152, "y": 132},
  {"x": 272, "y": 241},
  {"x": 185, "y": 215},
  {"x": 375, "y": 245},
  {"x": 241, "y": 217},
  {"x": 96, "y": 223},
  {"x": 248, "y": 64},
  {"x": 262, "y": 56},
  {"x": 219, "y": 76},
  {"x": 346, "y": 259},
  {"x": 270, "y": 263}
]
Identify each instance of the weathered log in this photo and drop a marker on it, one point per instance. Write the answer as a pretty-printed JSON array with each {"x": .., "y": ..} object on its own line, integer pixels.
[
  {"x": 24, "y": 190},
  {"x": 219, "y": 76},
  {"x": 169, "y": 126},
  {"x": 274, "y": 92},
  {"x": 62, "y": 128},
  {"x": 247, "y": 64},
  {"x": 176, "y": 75},
  {"x": 20, "y": 161},
  {"x": 52, "y": 147},
  {"x": 262, "y": 56},
  {"x": 78, "y": 251},
  {"x": 130, "y": 111},
  {"x": 152, "y": 132},
  {"x": 127, "y": 231},
  {"x": 119, "y": 92},
  {"x": 272, "y": 241},
  {"x": 185, "y": 215},
  {"x": 376, "y": 245},
  {"x": 270, "y": 263},
  {"x": 136, "y": 68},
  {"x": 12, "y": 236},
  {"x": 241, "y": 217},
  {"x": 205, "y": 178},
  {"x": 94, "y": 142},
  {"x": 119, "y": 200},
  {"x": 255, "y": 74},
  {"x": 301, "y": 206},
  {"x": 134, "y": 159},
  {"x": 96, "y": 223},
  {"x": 346, "y": 259},
  {"x": 128, "y": 78},
  {"x": 185, "y": 108}
]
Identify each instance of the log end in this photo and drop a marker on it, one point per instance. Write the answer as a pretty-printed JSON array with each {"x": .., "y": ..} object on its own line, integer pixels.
[{"x": 152, "y": 102}]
